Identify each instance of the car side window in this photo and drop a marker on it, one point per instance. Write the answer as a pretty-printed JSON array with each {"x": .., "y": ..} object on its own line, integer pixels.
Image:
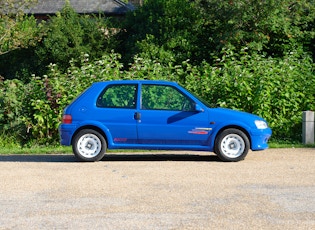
[
  {"x": 163, "y": 97},
  {"x": 118, "y": 96}
]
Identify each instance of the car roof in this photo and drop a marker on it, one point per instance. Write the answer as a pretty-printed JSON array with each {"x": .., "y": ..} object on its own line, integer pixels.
[{"x": 137, "y": 82}]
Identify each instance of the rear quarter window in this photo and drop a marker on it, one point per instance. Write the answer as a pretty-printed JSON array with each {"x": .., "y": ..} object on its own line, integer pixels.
[{"x": 118, "y": 96}]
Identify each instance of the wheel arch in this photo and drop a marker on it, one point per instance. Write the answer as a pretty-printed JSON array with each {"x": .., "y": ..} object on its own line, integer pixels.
[
  {"x": 232, "y": 127},
  {"x": 96, "y": 128}
]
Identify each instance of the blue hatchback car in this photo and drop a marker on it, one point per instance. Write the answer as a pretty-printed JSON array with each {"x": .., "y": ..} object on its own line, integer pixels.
[{"x": 143, "y": 114}]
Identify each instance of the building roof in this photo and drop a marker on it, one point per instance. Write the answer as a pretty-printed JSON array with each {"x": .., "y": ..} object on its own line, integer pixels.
[{"x": 110, "y": 7}]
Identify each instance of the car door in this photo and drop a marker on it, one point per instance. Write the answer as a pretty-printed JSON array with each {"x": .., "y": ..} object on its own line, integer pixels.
[
  {"x": 117, "y": 106},
  {"x": 168, "y": 117}
]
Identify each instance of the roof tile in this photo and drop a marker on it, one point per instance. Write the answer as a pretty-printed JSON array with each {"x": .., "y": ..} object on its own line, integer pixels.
[{"x": 81, "y": 6}]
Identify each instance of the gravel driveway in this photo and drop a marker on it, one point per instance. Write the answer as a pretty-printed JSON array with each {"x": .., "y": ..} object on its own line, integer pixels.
[{"x": 272, "y": 189}]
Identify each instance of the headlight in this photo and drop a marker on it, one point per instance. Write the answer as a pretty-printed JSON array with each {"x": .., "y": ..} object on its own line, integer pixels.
[{"x": 261, "y": 124}]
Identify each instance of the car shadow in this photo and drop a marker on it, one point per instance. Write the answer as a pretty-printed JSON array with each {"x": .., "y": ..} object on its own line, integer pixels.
[
  {"x": 159, "y": 157},
  {"x": 64, "y": 158}
]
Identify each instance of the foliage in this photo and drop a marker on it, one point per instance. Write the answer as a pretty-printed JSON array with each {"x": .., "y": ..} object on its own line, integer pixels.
[
  {"x": 19, "y": 33},
  {"x": 176, "y": 30},
  {"x": 12, "y": 97},
  {"x": 63, "y": 38},
  {"x": 167, "y": 31},
  {"x": 70, "y": 34},
  {"x": 273, "y": 26},
  {"x": 278, "y": 89},
  {"x": 16, "y": 29}
]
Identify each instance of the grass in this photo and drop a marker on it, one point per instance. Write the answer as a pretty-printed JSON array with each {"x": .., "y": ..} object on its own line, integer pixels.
[
  {"x": 9, "y": 145},
  {"x": 36, "y": 150},
  {"x": 288, "y": 144}
]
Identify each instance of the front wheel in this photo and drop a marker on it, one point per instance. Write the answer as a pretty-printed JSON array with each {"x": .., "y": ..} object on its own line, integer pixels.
[
  {"x": 89, "y": 145},
  {"x": 232, "y": 145}
]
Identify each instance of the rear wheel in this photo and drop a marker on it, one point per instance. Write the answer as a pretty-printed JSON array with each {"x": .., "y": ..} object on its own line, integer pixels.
[
  {"x": 232, "y": 145},
  {"x": 89, "y": 145}
]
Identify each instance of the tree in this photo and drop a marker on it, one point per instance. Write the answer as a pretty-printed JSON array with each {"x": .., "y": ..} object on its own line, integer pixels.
[
  {"x": 64, "y": 37},
  {"x": 69, "y": 34},
  {"x": 199, "y": 30},
  {"x": 272, "y": 26},
  {"x": 16, "y": 29},
  {"x": 168, "y": 31}
]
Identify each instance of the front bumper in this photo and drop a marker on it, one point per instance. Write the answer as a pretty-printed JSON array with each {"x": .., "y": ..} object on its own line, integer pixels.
[{"x": 260, "y": 138}]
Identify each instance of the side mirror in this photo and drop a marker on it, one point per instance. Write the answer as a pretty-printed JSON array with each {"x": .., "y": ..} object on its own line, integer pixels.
[{"x": 198, "y": 108}]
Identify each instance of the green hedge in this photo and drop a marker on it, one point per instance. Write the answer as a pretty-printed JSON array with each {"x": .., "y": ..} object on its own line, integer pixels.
[{"x": 276, "y": 89}]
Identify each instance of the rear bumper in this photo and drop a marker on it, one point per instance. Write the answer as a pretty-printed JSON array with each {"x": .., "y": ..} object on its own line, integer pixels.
[{"x": 66, "y": 133}]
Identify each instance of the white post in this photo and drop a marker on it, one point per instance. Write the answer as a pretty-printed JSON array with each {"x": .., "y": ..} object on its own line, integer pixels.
[{"x": 308, "y": 127}]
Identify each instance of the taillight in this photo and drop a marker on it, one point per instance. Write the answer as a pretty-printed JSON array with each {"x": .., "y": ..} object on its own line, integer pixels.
[{"x": 66, "y": 119}]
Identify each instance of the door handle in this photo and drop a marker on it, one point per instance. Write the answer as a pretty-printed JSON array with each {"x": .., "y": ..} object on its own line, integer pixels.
[{"x": 137, "y": 116}]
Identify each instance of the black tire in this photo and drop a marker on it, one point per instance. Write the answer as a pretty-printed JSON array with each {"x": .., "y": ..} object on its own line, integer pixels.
[
  {"x": 231, "y": 145},
  {"x": 89, "y": 145}
]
